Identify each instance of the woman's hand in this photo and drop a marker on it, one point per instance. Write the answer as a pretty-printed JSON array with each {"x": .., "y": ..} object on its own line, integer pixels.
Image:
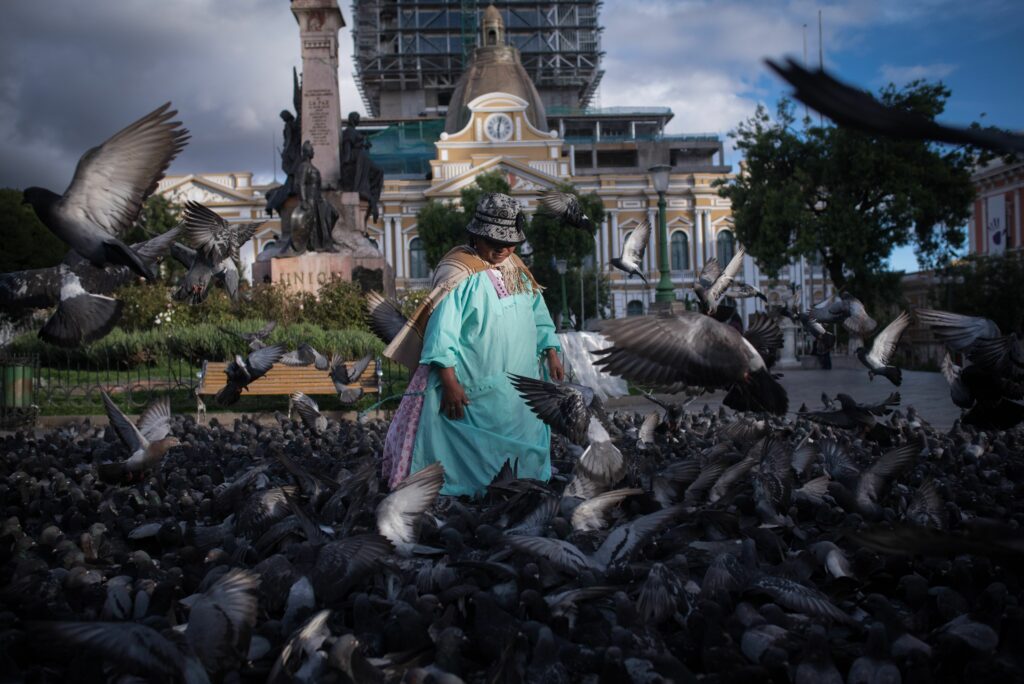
[
  {"x": 555, "y": 369},
  {"x": 453, "y": 396}
]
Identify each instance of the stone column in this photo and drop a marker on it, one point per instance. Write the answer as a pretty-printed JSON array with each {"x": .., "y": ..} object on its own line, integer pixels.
[
  {"x": 787, "y": 355},
  {"x": 319, "y": 22}
]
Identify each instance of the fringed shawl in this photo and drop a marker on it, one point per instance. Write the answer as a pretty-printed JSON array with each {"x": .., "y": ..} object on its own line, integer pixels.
[{"x": 457, "y": 265}]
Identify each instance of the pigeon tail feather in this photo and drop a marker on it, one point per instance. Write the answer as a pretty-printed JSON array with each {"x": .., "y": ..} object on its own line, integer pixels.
[{"x": 761, "y": 393}]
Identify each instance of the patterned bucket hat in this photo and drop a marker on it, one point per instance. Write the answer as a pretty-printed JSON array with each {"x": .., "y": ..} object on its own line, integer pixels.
[{"x": 498, "y": 218}]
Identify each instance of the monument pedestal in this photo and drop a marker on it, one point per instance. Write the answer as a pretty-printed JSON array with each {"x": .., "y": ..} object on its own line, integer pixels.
[
  {"x": 787, "y": 355},
  {"x": 310, "y": 271}
]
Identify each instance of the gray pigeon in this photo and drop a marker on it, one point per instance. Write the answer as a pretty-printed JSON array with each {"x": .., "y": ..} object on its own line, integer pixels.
[
  {"x": 879, "y": 359},
  {"x": 633, "y": 252},
  {"x": 195, "y": 284},
  {"x": 80, "y": 317},
  {"x": 712, "y": 283},
  {"x": 110, "y": 184},
  {"x": 386, "y": 317},
  {"x": 213, "y": 237},
  {"x": 566, "y": 207},
  {"x": 241, "y": 372},
  {"x": 343, "y": 376}
]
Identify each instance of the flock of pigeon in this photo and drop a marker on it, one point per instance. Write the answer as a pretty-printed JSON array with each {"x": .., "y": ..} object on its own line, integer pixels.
[{"x": 666, "y": 548}]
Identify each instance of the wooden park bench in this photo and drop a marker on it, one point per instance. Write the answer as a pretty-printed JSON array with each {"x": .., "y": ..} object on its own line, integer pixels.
[{"x": 282, "y": 380}]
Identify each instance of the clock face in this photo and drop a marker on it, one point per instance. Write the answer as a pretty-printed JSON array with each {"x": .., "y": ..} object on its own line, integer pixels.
[{"x": 498, "y": 127}]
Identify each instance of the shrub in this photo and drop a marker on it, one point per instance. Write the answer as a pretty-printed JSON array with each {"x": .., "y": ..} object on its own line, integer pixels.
[{"x": 340, "y": 304}]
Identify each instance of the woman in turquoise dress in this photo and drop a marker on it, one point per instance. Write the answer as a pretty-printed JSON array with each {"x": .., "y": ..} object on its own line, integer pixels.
[{"x": 490, "y": 323}]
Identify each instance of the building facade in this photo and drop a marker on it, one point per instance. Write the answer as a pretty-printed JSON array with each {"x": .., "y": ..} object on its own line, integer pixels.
[{"x": 995, "y": 225}]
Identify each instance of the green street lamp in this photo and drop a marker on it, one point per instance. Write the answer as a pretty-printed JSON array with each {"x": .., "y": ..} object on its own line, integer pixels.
[
  {"x": 561, "y": 265},
  {"x": 665, "y": 292}
]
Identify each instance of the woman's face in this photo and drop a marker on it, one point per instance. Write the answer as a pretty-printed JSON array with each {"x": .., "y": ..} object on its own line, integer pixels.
[{"x": 493, "y": 252}]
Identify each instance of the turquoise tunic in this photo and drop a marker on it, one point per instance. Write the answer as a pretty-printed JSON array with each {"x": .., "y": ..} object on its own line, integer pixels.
[{"x": 484, "y": 338}]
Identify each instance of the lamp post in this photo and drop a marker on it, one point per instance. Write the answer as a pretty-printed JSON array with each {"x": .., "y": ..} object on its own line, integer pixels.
[
  {"x": 561, "y": 266},
  {"x": 665, "y": 292}
]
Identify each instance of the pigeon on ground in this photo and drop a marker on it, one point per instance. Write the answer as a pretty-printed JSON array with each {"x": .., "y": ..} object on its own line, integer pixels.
[
  {"x": 399, "y": 512},
  {"x": 879, "y": 360},
  {"x": 212, "y": 236},
  {"x": 852, "y": 415},
  {"x": 857, "y": 109},
  {"x": 221, "y": 620},
  {"x": 712, "y": 283},
  {"x": 241, "y": 372},
  {"x": 386, "y": 317},
  {"x": 694, "y": 349},
  {"x": 343, "y": 375},
  {"x": 147, "y": 442},
  {"x": 565, "y": 206},
  {"x": 80, "y": 317},
  {"x": 845, "y": 309},
  {"x": 633, "y": 252},
  {"x": 110, "y": 184}
]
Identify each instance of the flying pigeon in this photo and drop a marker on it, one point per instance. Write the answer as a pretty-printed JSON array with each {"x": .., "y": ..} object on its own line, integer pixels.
[
  {"x": 213, "y": 237},
  {"x": 110, "y": 184},
  {"x": 633, "y": 252},
  {"x": 879, "y": 359},
  {"x": 147, "y": 442},
  {"x": 241, "y": 372},
  {"x": 847, "y": 310},
  {"x": 309, "y": 411},
  {"x": 854, "y": 108},
  {"x": 566, "y": 207},
  {"x": 256, "y": 339},
  {"x": 306, "y": 355},
  {"x": 343, "y": 376},
  {"x": 712, "y": 283},
  {"x": 80, "y": 317},
  {"x": 195, "y": 284},
  {"x": 386, "y": 317},
  {"x": 694, "y": 349}
]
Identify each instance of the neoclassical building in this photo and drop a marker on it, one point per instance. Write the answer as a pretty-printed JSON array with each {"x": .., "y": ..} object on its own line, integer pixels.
[{"x": 496, "y": 121}]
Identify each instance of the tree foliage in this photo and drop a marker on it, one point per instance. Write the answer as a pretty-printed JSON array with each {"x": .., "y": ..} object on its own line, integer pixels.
[
  {"x": 847, "y": 196},
  {"x": 158, "y": 216},
  {"x": 986, "y": 286},
  {"x": 27, "y": 242},
  {"x": 443, "y": 226}
]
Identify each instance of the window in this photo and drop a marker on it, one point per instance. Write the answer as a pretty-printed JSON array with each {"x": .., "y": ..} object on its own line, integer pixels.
[
  {"x": 680, "y": 251},
  {"x": 726, "y": 247},
  {"x": 634, "y": 308},
  {"x": 418, "y": 260}
]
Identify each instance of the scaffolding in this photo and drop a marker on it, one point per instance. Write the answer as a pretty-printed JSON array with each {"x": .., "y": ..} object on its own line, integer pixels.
[{"x": 417, "y": 49}]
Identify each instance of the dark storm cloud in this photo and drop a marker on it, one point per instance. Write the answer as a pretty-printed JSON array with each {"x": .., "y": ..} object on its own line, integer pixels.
[{"x": 76, "y": 72}]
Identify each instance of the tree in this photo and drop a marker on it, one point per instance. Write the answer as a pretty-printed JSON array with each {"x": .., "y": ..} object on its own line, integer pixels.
[
  {"x": 27, "y": 242},
  {"x": 986, "y": 286},
  {"x": 848, "y": 196},
  {"x": 158, "y": 216}
]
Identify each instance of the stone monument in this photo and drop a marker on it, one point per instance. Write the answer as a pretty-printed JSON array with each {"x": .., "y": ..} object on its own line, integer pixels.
[{"x": 325, "y": 236}]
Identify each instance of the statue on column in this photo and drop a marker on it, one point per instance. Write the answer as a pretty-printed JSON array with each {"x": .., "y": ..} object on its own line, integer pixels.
[
  {"x": 291, "y": 154},
  {"x": 358, "y": 172},
  {"x": 313, "y": 220}
]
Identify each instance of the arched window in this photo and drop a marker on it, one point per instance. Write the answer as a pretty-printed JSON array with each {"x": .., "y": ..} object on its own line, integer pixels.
[
  {"x": 418, "y": 260},
  {"x": 726, "y": 247},
  {"x": 680, "y": 251},
  {"x": 634, "y": 308}
]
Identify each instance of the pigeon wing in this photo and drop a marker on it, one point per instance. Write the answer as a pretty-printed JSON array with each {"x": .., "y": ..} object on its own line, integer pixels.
[
  {"x": 636, "y": 244},
  {"x": 602, "y": 463},
  {"x": 398, "y": 512},
  {"x": 136, "y": 648},
  {"x": 956, "y": 331},
  {"x": 724, "y": 281},
  {"x": 207, "y": 232},
  {"x": 926, "y": 506},
  {"x": 994, "y": 353},
  {"x": 221, "y": 621},
  {"x": 590, "y": 515},
  {"x": 624, "y": 539},
  {"x": 561, "y": 553},
  {"x": 304, "y": 355},
  {"x": 766, "y": 336},
  {"x": 858, "y": 322},
  {"x": 386, "y": 317},
  {"x": 884, "y": 345},
  {"x": 112, "y": 180},
  {"x": 560, "y": 406},
  {"x": 799, "y": 598},
  {"x": 80, "y": 316},
  {"x": 358, "y": 368},
  {"x": 648, "y": 427},
  {"x": 262, "y": 360},
  {"x": 125, "y": 429},
  {"x": 709, "y": 273},
  {"x": 155, "y": 421},
  {"x": 891, "y": 463},
  {"x": 308, "y": 410}
]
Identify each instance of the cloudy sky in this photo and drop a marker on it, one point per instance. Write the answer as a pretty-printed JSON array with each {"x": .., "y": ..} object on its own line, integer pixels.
[{"x": 75, "y": 71}]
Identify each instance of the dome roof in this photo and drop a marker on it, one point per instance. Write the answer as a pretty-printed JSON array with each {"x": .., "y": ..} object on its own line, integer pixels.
[{"x": 495, "y": 67}]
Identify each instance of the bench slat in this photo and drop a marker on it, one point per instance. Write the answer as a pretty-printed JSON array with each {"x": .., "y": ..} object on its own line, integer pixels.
[{"x": 284, "y": 380}]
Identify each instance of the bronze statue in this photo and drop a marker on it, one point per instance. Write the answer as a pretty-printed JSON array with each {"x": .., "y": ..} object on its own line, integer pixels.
[
  {"x": 313, "y": 220},
  {"x": 291, "y": 154},
  {"x": 358, "y": 172}
]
